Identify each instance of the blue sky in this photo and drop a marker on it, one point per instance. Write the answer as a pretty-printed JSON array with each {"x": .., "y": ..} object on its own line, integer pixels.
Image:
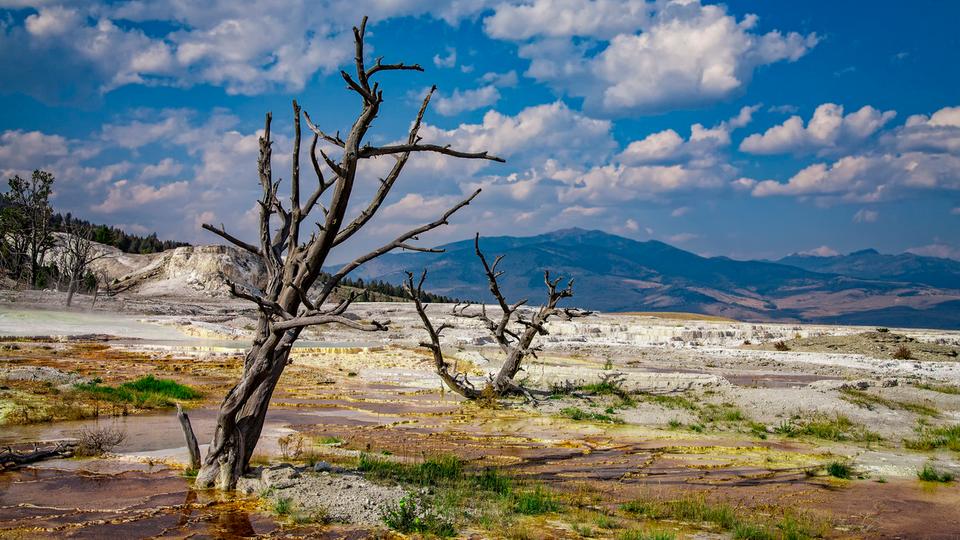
[{"x": 742, "y": 129}]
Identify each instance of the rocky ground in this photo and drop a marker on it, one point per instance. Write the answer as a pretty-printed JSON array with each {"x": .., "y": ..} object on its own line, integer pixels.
[{"x": 627, "y": 407}]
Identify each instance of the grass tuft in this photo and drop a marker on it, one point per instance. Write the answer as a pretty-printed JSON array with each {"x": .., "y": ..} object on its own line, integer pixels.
[
  {"x": 933, "y": 438},
  {"x": 839, "y": 469},
  {"x": 414, "y": 514},
  {"x": 535, "y": 502},
  {"x": 930, "y": 474},
  {"x": 580, "y": 415},
  {"x": 868, "y": 401},
  {"x": 282, "y": 506}
]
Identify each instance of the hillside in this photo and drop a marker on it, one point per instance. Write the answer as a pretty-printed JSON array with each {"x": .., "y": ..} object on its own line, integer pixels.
[
  {"x": 618, "y": 274},
  {"x": 870, "y": 264}
]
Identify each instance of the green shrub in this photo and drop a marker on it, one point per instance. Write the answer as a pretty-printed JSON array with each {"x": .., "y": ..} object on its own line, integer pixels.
[
  {"x": 930, "y": 474},
  {"x": 414, "y": 514},
  {"x": 839, "y": 469},
  {"x": 283, "y": 506}
]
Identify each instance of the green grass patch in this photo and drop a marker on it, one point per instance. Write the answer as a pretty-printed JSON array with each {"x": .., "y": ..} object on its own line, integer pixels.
[
  {"x": 670, "y": 401},
  {"x": 951, "y": 389},
  {"x": 580, "y": 415},
  {"x": 930, "y": 474},
  {"x": 934, "y": 438},
  {"x": 535, "y": 502},
  {"x": 697, "y": 510},
  {"x": 146, "y": 392},
  {"x": 840, "y": 469},
  {"x": 432, "y": 471},
  {"x": 611, "y": 387},
  {"x": 830, "y": 428},
  {"x": 869, "y": 401},
  {"x": 638, "y": 534},
  {"x": 455, "y": 496},
  {"x": 329, "y": 440},
  {"x": 282, "y": 506},
  {"x": 711, "y": 413}
]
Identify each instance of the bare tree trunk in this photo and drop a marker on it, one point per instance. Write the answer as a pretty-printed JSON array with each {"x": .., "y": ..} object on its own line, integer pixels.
[
  {"x": 71, "y": 287},
  {"x": 192, "y": 446},
  {"x": 284, "y": 306}
]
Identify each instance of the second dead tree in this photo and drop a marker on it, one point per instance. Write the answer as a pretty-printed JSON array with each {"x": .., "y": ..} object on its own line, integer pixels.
[{"x": 512, "y": 330}]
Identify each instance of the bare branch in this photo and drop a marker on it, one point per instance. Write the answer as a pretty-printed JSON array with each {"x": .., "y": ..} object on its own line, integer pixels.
[
  {"x": 396, "y": 243},
  {"x": 378, "y": 67},
  {"x": 232, "y": 239},
  {"x": 332, "y": 139},
  {"x": 371, "y": 151},
  {"x": 314, "y": 320}
]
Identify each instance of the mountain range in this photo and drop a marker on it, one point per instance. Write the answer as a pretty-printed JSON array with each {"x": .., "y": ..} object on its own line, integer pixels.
[{"x": 613, "y": 273}]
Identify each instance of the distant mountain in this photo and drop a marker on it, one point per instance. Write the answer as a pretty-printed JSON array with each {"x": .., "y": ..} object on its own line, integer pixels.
[
  {"x": 870, "y": 264},
  {"x": 618, "y": 274}
]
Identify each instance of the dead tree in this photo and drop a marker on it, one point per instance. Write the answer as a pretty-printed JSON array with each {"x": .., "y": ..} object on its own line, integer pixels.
[
  {"x": 78, "y": 252},
  {"x": 293, "y": 263},
  {"x": 513, "y": 331}
]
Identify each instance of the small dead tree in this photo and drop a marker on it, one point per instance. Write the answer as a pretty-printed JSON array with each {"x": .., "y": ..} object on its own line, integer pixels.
[
  {"x": 293, "y": 263},
  {"x": 78, "y": 252},
  {"x": 513, "y": 331}
]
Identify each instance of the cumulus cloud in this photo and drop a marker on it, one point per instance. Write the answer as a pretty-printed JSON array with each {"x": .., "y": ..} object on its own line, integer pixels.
[
  {"x": 868, "y": 178},
  {"x": 699, "y": 149},
  {"x": 920, "y": 155},
  {"x": 246, "y": 48},
  {"x": 467, "y": 100},
  {"x": 124, "y": 195},
  {"x": 164, "y": 168},
  {"x": 827, "y": 129},
  {"x": 651, "y": 57},
  {"x": 659, "y": 164}
]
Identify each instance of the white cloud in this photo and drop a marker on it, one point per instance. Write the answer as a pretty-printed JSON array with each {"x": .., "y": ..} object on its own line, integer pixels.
[
  {"x": 682, "y": 238},
  {"x": 680, "y": 211},
  {"x": 651, "y": 57},
  {"x": 923, "y": 154},
  {"x": 247, "y": 48},
  {"x": 822, "y": 251},
  {"x": 866, "y": 216},
  {"x": 502, "y": 80},
  {"x": 124, "y": 195},
  {"x": 448, "y": 61},
  {"x": 940, "y": 132},
  {"x": 869, "y": 178},
  {"x": 23, "y": 150},
  {"x": 560, "y": 133},
  {"x": 566, "y": 18},
  {"x": 955, "y": 210},
  {"x": 468, "y": 100},
  {"x": 164, "y": 168},
  {"x": 701, "y": 149},
  {"x": 941, "y": 250},
  {"x": 827, "y": 129}
]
